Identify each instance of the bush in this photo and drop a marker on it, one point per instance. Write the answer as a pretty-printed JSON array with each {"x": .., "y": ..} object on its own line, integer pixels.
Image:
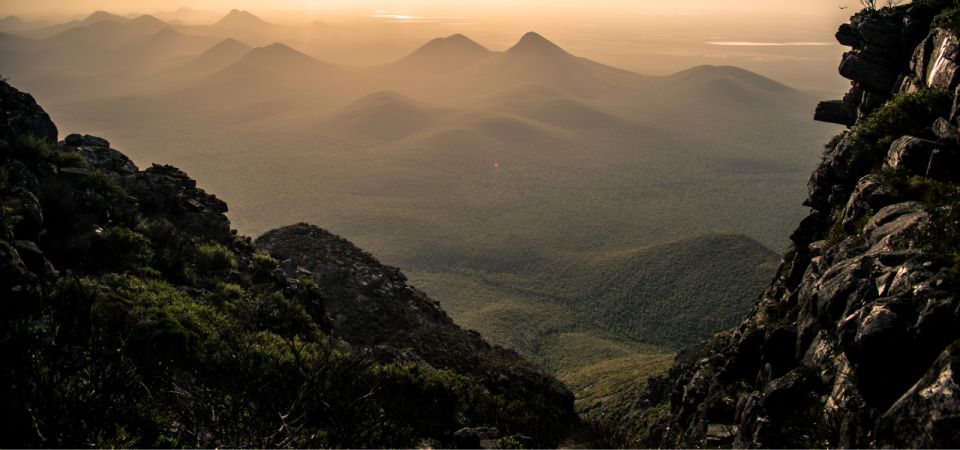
[
  {"x": 214, "y": 258},
  {"x": 906, "y": 114},
  {"x": 121, "y": 250}
]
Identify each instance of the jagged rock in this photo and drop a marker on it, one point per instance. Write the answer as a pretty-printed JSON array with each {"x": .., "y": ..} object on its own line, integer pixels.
[
  {"x": 834, "y": 111},
  {"x": 847, "y": 36},
  {"x": 34, "y": 258},
  {"x": 927, "y": 416},
  {"x": 21, "y": 117},
  {"x": 167, "y": 192},
  {"x": 894, "y": 223},
  {"x": 854, "y": 318},
  {"x": 946, "y": 132},
  {"x": 105, "y": 158},
  {"x": 865, "y": 198},
  {"x": 912, "y": 154},
  {"x": 76, "y": 140},
  {"x": 942, "y": 70},
  {"x": 872, "y": 73}
]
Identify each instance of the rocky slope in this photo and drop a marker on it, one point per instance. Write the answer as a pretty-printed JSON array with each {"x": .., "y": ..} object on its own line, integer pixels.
[
  {"x": 132, "y": 315},
  {"x": 857, "y": 341}
]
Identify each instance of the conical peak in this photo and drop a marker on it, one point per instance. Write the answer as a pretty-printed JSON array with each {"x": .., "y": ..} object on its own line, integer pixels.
[{"x": 534, "y": 42}]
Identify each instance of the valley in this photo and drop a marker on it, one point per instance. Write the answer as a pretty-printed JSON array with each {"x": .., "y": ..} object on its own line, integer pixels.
[{"x": 580, "y": 214}]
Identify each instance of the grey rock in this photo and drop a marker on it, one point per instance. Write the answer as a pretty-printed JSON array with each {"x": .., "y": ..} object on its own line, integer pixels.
[
  {"x": 946, "y": 132},
  {"x": 834, "y": 111},
  {"x": 894, "y": 222},
  {"x": 912, "y": 154},
  {"x": 928, "y": 415},
  {"x": 873, "y": 73}
]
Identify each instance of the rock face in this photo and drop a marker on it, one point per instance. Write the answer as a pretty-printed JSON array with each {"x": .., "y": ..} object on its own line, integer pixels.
[
  {"x": 880, "y": 60},
  {"x": 855, "y": 343}
]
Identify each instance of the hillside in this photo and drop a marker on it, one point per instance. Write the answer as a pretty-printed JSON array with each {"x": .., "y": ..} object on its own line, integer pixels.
[
  {"x": 133, "y": 316},
  {"x": 856, "y": 342}
]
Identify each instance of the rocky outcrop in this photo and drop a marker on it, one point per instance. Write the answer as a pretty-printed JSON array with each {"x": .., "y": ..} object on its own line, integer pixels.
[
  {"x": 879, "y": 60},
  {"x": 22, "y": 117},
  {"x": 855, "y": 342}
]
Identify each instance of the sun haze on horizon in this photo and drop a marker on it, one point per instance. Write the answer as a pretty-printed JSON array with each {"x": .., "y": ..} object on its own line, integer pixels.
[{"x": 788, "y": 40}]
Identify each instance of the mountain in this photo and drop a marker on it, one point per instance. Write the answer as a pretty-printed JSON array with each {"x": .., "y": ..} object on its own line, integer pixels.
[
  {"x": 241, "y": 20},
  {"x": 96, "y": 17},
  {"x": 14, "y": 24},
  {"x": 445, "y": 54},
  {"x": 163, "y": 313},
  {"x": 218, "y": 57},
  {"x": 275, "y": 58},
  {"x": 856, "y": 342},
  {"x": 536, "y": 60},
  {"x": 713, "y": 74},
  {"x": 386, "y": 115}
]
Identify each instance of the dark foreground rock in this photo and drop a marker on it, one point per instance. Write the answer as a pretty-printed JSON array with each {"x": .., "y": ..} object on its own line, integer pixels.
[{"x": 855, "y": 343}]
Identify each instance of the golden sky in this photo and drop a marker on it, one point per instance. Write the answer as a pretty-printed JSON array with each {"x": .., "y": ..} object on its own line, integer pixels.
[
  {"x": 789, "y": 40},
  {"x": 592, "y": 8}
]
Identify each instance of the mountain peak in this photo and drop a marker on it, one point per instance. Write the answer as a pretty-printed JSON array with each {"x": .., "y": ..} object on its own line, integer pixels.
[
  {"x": 533, "y": 42},
  {"x": 714, "y": 73},
  {"x": 148, "y": 20},
  {"x": 227, "y": 45},
  {"x": 447, "y": 53},
  {"x": 456, "y": 42},
  {"x": 100, "y": 16},
  {"x": 278, "y": 53},
  {"x": 237, "y": 17}
]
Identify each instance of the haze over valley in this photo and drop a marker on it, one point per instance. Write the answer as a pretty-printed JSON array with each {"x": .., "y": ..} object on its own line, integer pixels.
[{"x": 511, "y": 182}]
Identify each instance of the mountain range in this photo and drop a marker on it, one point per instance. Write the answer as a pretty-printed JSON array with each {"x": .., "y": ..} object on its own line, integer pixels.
[{"x": 504, "y": 172}]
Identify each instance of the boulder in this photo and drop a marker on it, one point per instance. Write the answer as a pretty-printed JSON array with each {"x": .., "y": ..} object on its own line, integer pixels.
[
  {"x": 865, "y": 198},
  {"x": 928, "y": 415},
  {"x": 942, "y": 70},
  {"x": 834, "y": 111},
  {"x": 894, "y": 224},
  {"x": 874, "y": 74},
  {"x": 848, "y": 36},
  {"x": 946, "y": 132},
  {"x": 912, "y": 154}
]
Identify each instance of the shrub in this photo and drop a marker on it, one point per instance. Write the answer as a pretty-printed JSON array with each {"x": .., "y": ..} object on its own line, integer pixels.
[
  {"x": 905, "y": 114},
  {"x": 121, "y": 249},
  {"x": 949, "y": 20},
  {"x": 262, "y": 267},
  {"x": 172, "y": 249},
  {"x": 213, "y": 258}
]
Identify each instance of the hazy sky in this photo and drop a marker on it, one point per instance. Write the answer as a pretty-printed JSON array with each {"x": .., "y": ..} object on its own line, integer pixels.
[
  {"x": 591, "y": 8},
  {"x": 789, "y": 40}
]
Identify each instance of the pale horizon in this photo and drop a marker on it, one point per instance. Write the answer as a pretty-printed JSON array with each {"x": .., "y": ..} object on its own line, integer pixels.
[{"x": 789, "y": 41}]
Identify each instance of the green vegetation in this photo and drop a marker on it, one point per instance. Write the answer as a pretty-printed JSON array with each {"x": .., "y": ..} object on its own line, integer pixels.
[
  {"x": 148, "y": 336},
  {"x": 906, "y": 114},
  {"x": 949, "y": 18}
]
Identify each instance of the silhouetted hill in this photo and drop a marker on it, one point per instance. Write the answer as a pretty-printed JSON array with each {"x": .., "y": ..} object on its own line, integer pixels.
[
  {"x": 14, "y": 24},
  {"x": 218, "y": 57},
  {"x": 241, "y": 20},
  {"x": 445, "y": 54},
  {"x": 275, "y": 58},
  {"x": 701, "y": 74},
  {"x": 385, "y": 115}
]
